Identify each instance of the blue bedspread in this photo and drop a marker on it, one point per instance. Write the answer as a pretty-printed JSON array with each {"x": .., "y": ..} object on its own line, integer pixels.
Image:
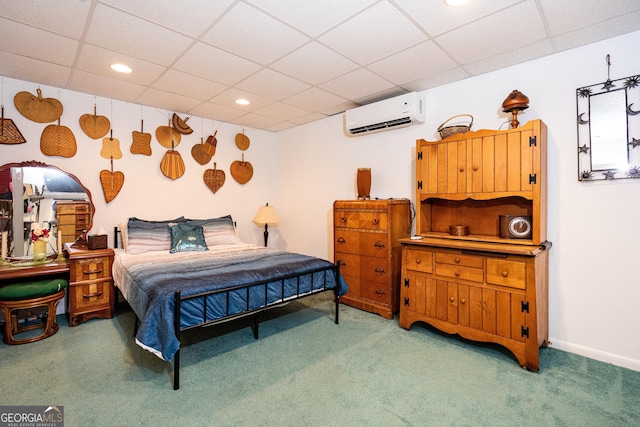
[{"x": 148, "y": 283}]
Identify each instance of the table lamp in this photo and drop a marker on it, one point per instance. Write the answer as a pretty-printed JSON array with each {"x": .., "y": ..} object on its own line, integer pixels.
[{"x": 266, "y": 215}]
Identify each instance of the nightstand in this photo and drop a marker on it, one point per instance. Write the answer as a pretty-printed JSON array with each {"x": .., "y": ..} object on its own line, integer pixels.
[{"x": 91, "y": 292}]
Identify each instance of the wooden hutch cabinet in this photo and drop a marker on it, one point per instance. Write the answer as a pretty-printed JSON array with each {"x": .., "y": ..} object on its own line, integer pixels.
[
  {"x": 480, "y": 266},
  {"x": 366, "y": 234}
]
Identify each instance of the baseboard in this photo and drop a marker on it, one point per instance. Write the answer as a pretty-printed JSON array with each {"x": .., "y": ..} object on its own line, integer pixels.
[{"x": 614, "y": 359}]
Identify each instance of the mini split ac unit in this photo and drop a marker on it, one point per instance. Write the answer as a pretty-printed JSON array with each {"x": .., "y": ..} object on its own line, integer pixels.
[{"x": 392, "y": 113}]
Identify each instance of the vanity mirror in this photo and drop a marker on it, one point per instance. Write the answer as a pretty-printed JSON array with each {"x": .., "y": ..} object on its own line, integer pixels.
[
  {"x": 36, "y": 195},
  {"x": 609, "y": 129}
]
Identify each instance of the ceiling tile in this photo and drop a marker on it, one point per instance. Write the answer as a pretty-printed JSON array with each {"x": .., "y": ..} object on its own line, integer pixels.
[
  {"x": 168, "y": 101},
  {"x": 93, "y": 84},
  {"x": 244, "y": 31},
  {"x": 63, "y": 17},
  {"x": 494, "y": 34},
  {"x": 603, "y": 30},
  {"x": 124, "y": 33},
  {"x": 417, "y": 62},
  {"x": 190, "y": 17},
  {"x": 256, "y": 121},
  {"x": 357, "y": 84},
  {"x": 314, "y": 64},
  {"x": 229, "y": 96},
  {"x": 282, "y": 111},
  {"x": 97, "y": 60},
  {"x": 436, "y": 80},
  {"x": 314, "y": 99},
  {"x": 214, "y": 64},
  {"x": 365, "y": 43},
  {"x": 188, "y": 85},
  {"x": 220, "y": 112},
  {"x": 312, "y": 17},
  {"x": 37, "y": 71},
  {"x": 27, "y": 41},
  {"x": 437, "y": 18},
  {"x": 569, "y": 15},
  {"x": 516, "y": 56},
  {"x": 272, "y": 84}
]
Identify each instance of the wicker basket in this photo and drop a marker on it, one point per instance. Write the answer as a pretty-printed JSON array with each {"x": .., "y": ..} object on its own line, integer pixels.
[{"x": 446, "y": 131}]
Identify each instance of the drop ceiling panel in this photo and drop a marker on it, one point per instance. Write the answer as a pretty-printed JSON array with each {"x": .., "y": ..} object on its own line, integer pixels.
[
  {"x": 120, "y": 32},
  {"x": 494, "y": 34},
  {"x": 97, "y": 60},
  {"x": 189, "y": 17},
  {"x": 214, "y": 64},
  {"x": 414, "y": 63},
  {"x": 314, "y": 64},
  {"x": 253, "y": 35},
  {"x": 436, "y": 18},
  {"x": 357, "y": 84},
  {"x": 27, "y": 41},
  {"x": 299, "y": 60},
  {"x": 188, "y": 85},
  {"x": 62, "y": 17},
  {"x": 272, "y": 84},
  {"x": 34, "y": 70},
  {"x": 312, "y": 17},
  {"x": 364, "y": 42}
]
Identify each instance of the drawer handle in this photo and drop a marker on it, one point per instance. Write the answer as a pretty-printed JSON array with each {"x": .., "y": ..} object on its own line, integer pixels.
[
  {"x": 376, "y": 221},
  {"x": 418, "y": 261},
  {"x": 457, "y": 273},
  {"x": 92, "y": 271},
  {"x": 505, "y": 274},
  {"x": 343, "y": 219},
  {"x": 475, "y": 168},
  {"x": 452, "y": 299},
  {"x": 462, "y": 301},
  {"x": 341, "y": 240},
  {"x": 457, "y": 260},
  {"x": 97, "y": 294},
  {"x": 380, "y": 292},
  {"x": 342, "y": 263},
  {"x": 379, "y": 270},
  {"x": 379, "y": 244},
  {"x": 461, "y": 169}
]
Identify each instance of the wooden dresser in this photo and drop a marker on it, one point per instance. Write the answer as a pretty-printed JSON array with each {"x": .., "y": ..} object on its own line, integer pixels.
[
  {"x": 73, "y": 218},
  {"x": 484, "y": 283},
  {"x": 366, "y": 246},
  {"x": 91, "y": 293}
]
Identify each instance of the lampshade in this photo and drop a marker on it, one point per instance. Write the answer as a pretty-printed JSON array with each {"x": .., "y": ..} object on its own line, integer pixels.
[{"x": 266, "y": 215}]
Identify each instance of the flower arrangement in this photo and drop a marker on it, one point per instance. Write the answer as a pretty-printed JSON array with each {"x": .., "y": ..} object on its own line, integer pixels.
[{"x": 39, "y": 234}]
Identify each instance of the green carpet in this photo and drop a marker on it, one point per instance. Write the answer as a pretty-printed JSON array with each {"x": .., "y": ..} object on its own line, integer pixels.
[{"x": 306, "y": 371}]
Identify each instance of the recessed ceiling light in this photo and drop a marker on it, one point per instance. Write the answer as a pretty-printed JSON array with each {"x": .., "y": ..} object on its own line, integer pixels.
[
  {"x": 121, "y": 68},
  {"x": 456, "y": 3},
  {"x": 242, "y": 101}
]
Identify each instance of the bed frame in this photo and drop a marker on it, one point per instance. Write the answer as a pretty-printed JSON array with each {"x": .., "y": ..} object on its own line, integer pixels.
[{"x": 178, "y": 299}]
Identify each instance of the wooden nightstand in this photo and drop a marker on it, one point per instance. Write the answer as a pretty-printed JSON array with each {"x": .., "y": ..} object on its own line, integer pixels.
[{"x": 91, "y": 293}]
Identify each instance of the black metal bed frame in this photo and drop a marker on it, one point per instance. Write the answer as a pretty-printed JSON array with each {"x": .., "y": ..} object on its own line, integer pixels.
[{"x": 334, "y": 269}]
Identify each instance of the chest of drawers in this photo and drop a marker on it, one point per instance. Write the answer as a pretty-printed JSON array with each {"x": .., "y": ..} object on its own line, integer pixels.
[
  {"x": 91, "y": 292},
  {"x": 366, "y": 234},
  {"x": 73, "y": 218}
]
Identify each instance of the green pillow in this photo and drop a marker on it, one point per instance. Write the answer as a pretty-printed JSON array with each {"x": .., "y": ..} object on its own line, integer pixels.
[
  {"x": 187, "y": 238},
  {"x": 28, "y": 290}
]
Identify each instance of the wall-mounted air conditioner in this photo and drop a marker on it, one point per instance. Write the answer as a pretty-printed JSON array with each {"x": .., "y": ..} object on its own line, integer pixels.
[{"x": 400, "y": 111}]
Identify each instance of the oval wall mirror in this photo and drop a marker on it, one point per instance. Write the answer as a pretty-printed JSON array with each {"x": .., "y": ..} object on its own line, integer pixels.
[{"x": 37, "y": 195}]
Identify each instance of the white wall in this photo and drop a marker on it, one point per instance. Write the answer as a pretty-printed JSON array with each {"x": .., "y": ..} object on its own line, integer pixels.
[
  {"x": 594, "y": 227},
  {"x": 147, "y": 193}
]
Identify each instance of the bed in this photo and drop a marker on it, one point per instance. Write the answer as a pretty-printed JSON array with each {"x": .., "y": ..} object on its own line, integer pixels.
[{"x": 182, "y": 274}]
